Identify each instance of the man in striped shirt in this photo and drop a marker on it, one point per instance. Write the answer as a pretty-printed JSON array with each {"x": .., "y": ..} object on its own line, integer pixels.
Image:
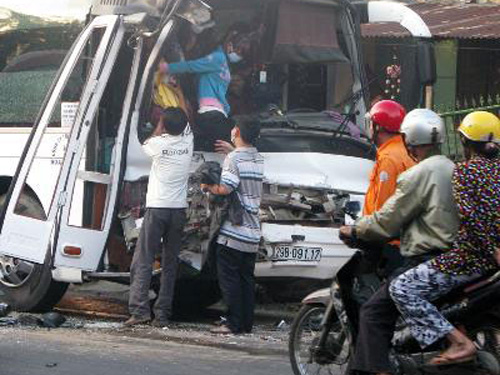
[{"x": 238, "y": 242}]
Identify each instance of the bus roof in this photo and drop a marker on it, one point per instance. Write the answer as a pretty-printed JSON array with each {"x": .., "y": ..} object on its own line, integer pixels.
[{"x": 155, "y": 8}]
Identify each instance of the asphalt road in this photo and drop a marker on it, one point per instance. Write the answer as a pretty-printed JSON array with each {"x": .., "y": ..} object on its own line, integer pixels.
[{"x": 63, "y": 352}]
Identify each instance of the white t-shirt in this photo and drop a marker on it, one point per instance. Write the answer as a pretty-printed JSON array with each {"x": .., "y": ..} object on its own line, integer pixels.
[{"x": 168, "y": 179}]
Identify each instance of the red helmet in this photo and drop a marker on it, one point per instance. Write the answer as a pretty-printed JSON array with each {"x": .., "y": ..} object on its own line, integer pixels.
[{"x": 388, "y": 114}]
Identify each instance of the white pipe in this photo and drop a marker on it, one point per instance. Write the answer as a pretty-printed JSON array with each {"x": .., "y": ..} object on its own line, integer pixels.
[{"x": 388, "y": 11}]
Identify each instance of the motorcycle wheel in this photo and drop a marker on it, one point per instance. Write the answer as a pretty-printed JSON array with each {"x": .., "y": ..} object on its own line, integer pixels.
[
  {"x": 304, "y": 336},
  {"x": 487, "y": 339},
  {"x": 492, "y": 341}
]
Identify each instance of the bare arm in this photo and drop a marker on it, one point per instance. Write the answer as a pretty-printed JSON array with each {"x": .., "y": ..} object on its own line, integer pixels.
[
  {"x": 216, "y": 189},
  {"x": 159, "y": 130},
  {"x": 152, "y": 146},
  {"x": 223, "y": 147},
  {"x": 229, "y": 179}
]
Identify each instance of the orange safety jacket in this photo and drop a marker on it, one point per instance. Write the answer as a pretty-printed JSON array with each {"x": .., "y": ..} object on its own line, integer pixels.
[{"x": 392, "y": 160}]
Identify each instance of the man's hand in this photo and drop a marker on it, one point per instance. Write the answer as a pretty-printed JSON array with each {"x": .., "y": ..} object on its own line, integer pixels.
[
  {"x": 223, "y": 147},
  {"x": 215, "y": 189},
  {"x": 347, "y": 236},
  {"x": 346, "y": 231}
]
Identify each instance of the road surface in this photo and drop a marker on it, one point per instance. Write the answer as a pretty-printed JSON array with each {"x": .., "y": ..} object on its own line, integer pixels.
[{"x": 79, "y": 352}]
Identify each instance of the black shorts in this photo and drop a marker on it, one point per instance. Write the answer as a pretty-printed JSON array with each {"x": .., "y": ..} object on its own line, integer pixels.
[{"x": 210, "y": 127}]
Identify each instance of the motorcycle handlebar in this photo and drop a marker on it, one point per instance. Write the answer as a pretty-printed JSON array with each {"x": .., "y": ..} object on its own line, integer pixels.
[{"x": 356, "y": 243}]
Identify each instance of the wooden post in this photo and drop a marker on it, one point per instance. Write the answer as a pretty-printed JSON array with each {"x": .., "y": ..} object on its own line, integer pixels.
[{"x": 429, "y": 99}]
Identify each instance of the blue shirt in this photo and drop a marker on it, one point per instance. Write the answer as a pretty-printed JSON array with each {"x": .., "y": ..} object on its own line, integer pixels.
[{"x": 214, "y": 78}]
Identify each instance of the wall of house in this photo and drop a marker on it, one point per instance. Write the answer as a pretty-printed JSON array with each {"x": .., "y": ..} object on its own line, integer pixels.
[
  {"x": 383, "y": 54},
  {"x": 446, "y": 70}
]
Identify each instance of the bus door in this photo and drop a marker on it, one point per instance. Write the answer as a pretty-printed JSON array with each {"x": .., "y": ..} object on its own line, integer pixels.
[{"x": 73, "y": 103}]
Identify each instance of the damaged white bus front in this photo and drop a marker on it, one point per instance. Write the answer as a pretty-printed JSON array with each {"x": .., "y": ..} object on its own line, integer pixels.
[{"x": 316, "y": 158}]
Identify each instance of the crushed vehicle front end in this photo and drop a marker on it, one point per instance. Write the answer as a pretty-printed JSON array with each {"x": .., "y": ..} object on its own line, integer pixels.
[
  {"x": 315, "y": 160},
  {"x": 311, "y": 171}
]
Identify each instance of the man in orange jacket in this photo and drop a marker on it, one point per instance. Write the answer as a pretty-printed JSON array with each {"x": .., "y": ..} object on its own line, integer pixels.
[{"x": 385, "y": 119}]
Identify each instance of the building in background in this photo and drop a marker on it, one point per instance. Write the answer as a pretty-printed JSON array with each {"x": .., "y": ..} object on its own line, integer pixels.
[{"x": 467, "y": 47}]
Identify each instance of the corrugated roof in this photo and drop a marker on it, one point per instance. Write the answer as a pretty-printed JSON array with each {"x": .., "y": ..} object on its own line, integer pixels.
[{"x": 447, "y": 21}]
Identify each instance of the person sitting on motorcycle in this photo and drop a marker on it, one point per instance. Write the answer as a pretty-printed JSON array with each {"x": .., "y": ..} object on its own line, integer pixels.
[
  {"x": 385, "y": 118},
  {"x": 476, "y": 188},
  {"x": 423, "y": 214}
]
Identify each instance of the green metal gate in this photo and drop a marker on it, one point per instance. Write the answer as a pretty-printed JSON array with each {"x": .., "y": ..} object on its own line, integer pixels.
[{"x": 453, "y": 116}]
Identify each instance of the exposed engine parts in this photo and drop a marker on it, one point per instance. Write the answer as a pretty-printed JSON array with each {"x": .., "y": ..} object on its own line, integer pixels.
[{"x": 280, "y": 204}]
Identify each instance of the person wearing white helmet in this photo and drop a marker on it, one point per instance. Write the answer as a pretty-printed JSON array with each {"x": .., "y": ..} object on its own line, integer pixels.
[
  {"x": 475, "y": 251},
  {"x": 423, "y": 214}
]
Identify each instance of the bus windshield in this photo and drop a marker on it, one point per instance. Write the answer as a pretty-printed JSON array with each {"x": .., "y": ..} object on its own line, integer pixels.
[{"x": 32, "y": 49}]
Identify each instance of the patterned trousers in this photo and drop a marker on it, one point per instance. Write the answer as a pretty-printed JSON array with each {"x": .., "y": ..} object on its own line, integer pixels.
[{"x": 413, "y": 292}]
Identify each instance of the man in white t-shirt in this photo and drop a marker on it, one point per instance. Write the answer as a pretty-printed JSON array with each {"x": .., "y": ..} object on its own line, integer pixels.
[{"x": 171, "y": 148}]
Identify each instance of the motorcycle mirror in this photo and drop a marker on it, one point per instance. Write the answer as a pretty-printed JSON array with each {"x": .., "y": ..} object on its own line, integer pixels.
[{"x": 352, "y": 208}]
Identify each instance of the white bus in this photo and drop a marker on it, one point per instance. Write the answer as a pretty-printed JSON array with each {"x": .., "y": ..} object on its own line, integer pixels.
[{"x": 73, "y": 204}]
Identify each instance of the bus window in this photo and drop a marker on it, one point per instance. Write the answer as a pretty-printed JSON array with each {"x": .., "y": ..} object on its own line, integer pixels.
[
  {"x": 21, "y": 96},
  {"x": 51, "y": 149},
  {"x": 29, "y": 60}
]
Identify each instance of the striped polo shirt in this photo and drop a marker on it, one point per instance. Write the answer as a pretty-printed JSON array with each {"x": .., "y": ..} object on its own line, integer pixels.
[{"x": 243, "y": 171}]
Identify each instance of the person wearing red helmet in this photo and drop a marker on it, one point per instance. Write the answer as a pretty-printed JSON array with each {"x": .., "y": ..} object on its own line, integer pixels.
[
  {"x": 385, "y": 118},
  {"x": 423, "y": 213},
  {"x": 384, "y": 123}
]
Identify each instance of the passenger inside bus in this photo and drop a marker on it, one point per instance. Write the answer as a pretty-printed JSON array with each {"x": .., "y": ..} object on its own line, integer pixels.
[
  {"x": 282, "y": 73},
  {"x": 213, "y": 79}
]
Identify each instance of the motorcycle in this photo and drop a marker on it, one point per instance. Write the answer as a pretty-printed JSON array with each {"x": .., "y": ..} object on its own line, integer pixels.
[{"x": 323, "y": 333}]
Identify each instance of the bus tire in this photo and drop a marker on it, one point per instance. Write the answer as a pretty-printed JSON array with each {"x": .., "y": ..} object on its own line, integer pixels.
[{"x": 28, "y": 286}]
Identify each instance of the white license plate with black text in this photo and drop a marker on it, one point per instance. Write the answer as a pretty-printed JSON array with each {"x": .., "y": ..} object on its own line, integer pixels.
[{"x": 299, "y": 253}]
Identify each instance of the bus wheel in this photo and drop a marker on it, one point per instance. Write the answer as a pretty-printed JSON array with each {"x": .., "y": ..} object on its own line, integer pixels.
[{"x": 27, "y": 286}]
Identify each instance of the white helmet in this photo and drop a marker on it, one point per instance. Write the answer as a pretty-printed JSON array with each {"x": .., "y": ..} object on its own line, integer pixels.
[{"x": 423, "y": 127}]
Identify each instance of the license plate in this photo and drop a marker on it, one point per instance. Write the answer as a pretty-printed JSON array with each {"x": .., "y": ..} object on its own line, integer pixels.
[{"x": 300, "y": 253}]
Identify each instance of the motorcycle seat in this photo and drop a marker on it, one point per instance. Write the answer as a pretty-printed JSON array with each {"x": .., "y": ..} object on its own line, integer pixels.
[
  {"x": 468, "y": 289},
  {"x": 481, "y": 282}
]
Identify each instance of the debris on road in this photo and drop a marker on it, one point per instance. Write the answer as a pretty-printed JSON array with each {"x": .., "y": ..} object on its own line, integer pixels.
[
  {"x": 7, "y": 321},
  {"x": 4, "y": 309},
  {"x": 53, "y": 319},
  {"x": 283, "y": 326},
  {"x": 99, "y": 313},
  {"x": 102, "y": 325}
]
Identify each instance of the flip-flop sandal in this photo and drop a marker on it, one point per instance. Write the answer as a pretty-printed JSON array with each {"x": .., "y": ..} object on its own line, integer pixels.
[{"x": 445, "y": 361}]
